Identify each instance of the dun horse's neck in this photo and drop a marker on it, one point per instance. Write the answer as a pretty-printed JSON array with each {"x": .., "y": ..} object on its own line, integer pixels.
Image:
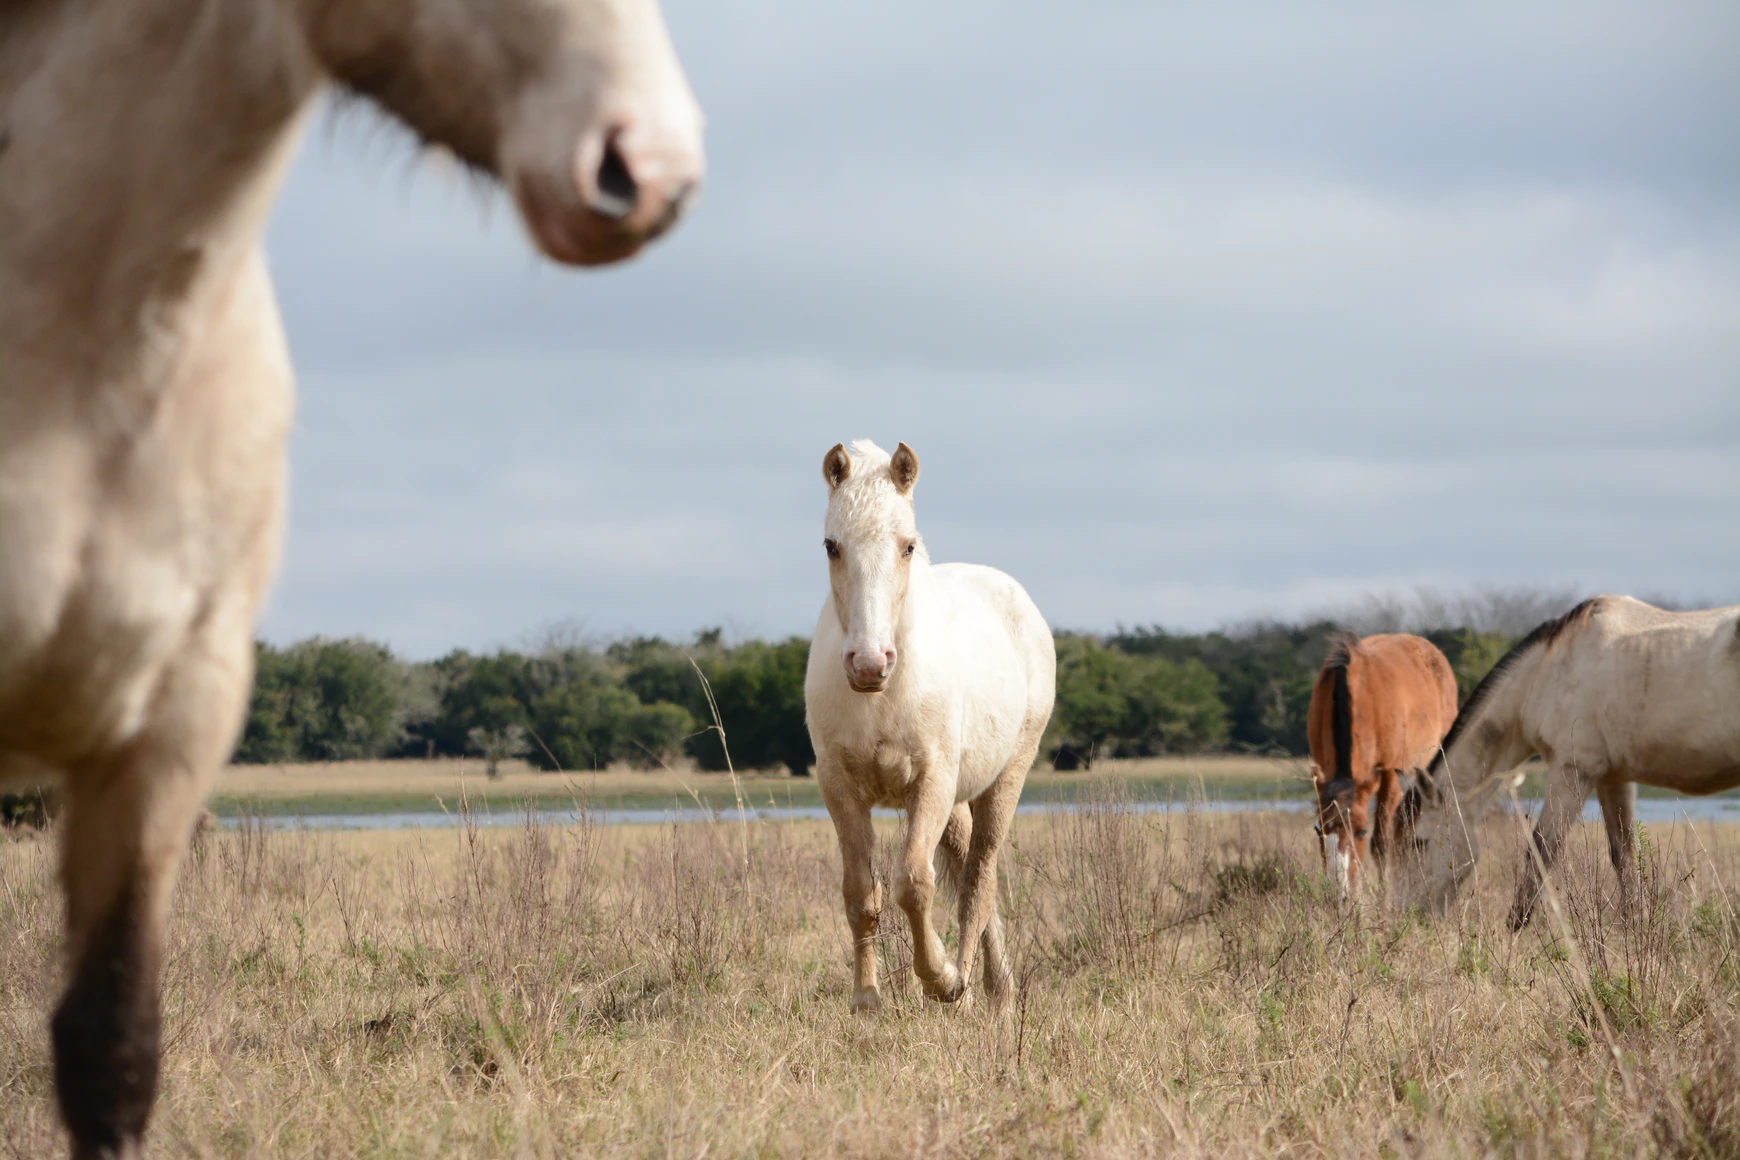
[
  {"x": 144, "y": 143},
  {"x": 1493, "y": 737}
]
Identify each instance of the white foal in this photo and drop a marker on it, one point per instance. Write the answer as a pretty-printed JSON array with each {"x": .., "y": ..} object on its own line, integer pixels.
[{"x": 928, "y": 689}]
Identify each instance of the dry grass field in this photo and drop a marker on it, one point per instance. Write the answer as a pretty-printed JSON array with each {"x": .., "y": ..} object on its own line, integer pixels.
[{"x": 1185, "y": 988}]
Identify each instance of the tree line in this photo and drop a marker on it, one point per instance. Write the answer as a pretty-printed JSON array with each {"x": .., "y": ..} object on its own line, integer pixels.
[{"x": 647, "y": 701}]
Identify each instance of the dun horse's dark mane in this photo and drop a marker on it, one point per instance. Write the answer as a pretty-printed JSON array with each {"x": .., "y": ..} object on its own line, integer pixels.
[{"x": 1544, "y": 634}]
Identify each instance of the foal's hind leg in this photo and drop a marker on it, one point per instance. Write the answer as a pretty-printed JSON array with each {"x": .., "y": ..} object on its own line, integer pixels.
[
  {"x": 128, "y": 819},
  {"x": 992, "y": 812},
  {"x": 955, "y": 848}
]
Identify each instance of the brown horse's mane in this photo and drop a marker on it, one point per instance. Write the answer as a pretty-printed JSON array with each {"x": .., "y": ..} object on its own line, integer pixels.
[
  {"x": 1343, "y": 648},
  {"x": 1544, "y": 634}
]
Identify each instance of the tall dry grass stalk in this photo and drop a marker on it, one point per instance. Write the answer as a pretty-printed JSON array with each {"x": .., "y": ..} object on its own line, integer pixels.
[{"x": 1185, "y": 986}]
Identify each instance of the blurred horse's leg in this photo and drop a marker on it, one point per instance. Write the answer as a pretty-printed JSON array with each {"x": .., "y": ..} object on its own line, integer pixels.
[{"x": 127, "y": 822}]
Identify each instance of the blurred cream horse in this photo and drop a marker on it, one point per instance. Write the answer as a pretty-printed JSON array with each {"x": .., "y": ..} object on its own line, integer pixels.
[
  {"x": 1613, "y": 693},
  {"x": 145, "y": 386},
  {"x": 928, "y": 689}
]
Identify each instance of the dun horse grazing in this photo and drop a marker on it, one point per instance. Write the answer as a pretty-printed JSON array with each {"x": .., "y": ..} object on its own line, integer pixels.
[
  {"x": 145, "y": 386},
  {"x": 1613, "y": 693},
  {"x": 928, "y": 688},
  {"x": 1377, "y": 712}
]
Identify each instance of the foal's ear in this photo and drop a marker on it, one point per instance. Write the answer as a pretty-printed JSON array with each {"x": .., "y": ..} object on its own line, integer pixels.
[
  {"x": 903, "y": 469},
  {"x": 836, "y": 465}
]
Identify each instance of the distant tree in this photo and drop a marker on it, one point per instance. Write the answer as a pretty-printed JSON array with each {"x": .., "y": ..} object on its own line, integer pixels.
[
  {"x": 482, "y": 693},
  {"x": 581, "y": 724},
  {"x": 1264, "y": 673},
  {"x": 355, "y": 685},
  {"x": 1112, "y": 703},
  {"x": 655, "y": 670},
  {"x": 653, "y": 735},
  {"x": 1092, "y": 683},
  {"x": 322, "y": 700},
  {"x": 759, "y": 688},
  {"x": 497, "y": 745},
  {"x": 268, "y": 736},
  {"x": 1471, "y": 654}
]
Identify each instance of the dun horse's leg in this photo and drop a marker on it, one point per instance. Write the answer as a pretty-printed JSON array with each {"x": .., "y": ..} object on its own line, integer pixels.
[
  {"x": 915, "y": 888},
  {"x": 128, "y": 819},
  {"x": 863, "y": 894},
  {"x": 1567, "y": 790},
  {"x": 1619, "y": 814}
]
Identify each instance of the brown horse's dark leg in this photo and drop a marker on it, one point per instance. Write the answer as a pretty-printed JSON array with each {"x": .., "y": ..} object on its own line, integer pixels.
[{"x": 1389, "y": 801}]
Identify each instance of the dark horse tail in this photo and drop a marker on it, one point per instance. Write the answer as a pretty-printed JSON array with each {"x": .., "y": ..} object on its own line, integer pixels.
[{"x": 1341, "y": 704}]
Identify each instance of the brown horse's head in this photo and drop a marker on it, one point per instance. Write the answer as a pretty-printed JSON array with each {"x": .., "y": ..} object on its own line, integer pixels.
[
  {"x": 578, "y": 106},
  {"x": 1344, "y": 826}
]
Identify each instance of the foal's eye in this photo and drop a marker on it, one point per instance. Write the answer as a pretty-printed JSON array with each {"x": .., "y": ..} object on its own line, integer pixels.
[
  {"x": 910, "y": 545},
  {"x": 832, "y": 549}
]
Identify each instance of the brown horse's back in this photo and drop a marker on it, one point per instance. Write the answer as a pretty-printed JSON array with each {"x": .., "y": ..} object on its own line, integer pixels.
[{"x": 1396, "y": 698}]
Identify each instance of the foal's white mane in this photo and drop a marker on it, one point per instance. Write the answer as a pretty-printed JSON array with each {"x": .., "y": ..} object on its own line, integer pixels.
[{"x": 868, "y": 505}]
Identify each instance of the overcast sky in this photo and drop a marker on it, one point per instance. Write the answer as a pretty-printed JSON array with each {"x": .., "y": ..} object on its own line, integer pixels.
[{"x": 1192, "y": 314}]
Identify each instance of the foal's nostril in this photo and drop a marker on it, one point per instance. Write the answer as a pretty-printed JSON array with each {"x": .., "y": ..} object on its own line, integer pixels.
[{"x": 616, "y": 191}]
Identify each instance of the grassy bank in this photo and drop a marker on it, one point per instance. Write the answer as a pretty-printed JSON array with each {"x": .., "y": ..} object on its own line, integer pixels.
[
  {"x": 360, "y": 787},
  {"x": 1184, "y": 988}
]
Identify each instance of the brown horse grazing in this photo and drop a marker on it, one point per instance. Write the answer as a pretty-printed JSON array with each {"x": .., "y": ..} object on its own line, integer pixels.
[
  {"x": 145, "y": 387},
  {"x": 1378, "y": 710}
]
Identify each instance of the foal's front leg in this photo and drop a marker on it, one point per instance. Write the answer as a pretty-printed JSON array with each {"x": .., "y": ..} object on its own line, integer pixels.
[
  {"x": 932, "y": 803},
  {"x": 863, "y": 894}
]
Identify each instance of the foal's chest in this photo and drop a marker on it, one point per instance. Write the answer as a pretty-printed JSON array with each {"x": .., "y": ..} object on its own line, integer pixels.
[{"x": 881, "y": 773}]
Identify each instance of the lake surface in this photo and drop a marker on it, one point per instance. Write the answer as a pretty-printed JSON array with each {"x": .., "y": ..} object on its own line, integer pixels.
[{"x": 1650, "y": 810}]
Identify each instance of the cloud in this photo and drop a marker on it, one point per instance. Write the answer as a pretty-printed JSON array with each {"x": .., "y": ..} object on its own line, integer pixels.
[{"x": 1193, "y": 315}]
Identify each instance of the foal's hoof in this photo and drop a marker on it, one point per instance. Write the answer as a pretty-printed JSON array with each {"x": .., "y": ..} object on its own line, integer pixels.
[
  {"x": 946, "y": 987},
  {"x": 866, "y": 1001}
]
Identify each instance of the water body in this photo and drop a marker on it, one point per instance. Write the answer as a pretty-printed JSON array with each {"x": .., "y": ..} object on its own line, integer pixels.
[{"x": 1651, "y": 811}]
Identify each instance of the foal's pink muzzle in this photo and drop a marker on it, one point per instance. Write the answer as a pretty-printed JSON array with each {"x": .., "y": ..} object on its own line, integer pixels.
[{"x": 869, "y": 671}]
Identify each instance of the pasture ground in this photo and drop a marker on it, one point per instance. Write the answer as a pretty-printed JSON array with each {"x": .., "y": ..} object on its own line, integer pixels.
[{"x": 1185, "y": 988}]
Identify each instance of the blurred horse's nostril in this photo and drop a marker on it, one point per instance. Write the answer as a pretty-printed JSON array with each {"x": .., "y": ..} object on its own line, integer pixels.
[{"x": 616, "y": 192}]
